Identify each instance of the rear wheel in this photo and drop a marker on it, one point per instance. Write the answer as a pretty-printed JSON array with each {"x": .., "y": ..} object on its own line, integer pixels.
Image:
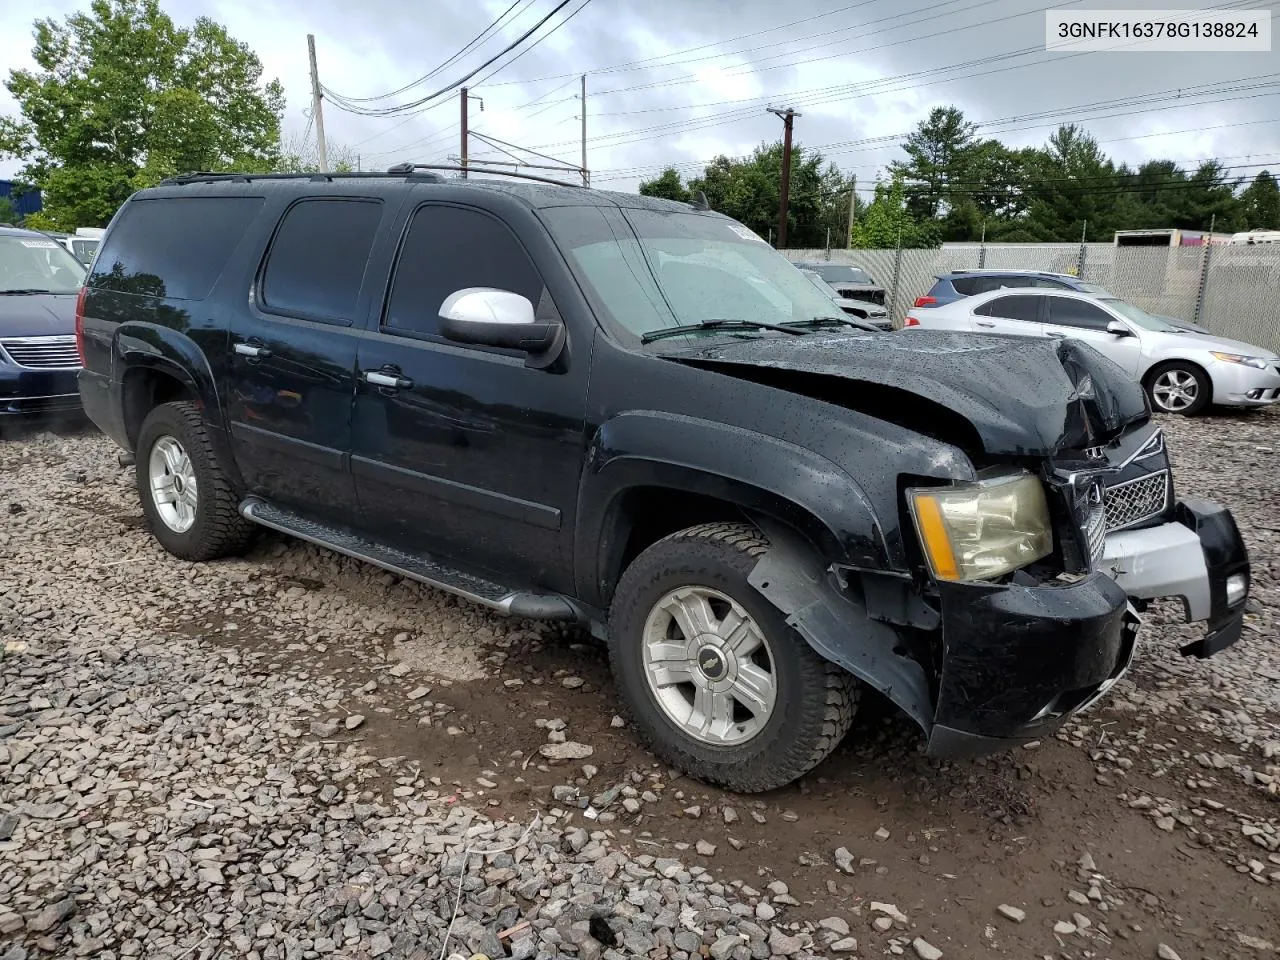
[
  {"x": 1179, "y": 387},
  {"x": 188, "y": 501},
  {"x": 714, "y": 679}
]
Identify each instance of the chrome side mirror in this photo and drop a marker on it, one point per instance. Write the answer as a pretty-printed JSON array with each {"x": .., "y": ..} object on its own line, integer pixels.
[
  {"x": 1116, "y": 328},
  {"x": 487, "y": 317}
]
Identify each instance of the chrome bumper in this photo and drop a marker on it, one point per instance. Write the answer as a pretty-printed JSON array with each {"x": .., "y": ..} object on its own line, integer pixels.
[{"x": 1163, "y": 561}]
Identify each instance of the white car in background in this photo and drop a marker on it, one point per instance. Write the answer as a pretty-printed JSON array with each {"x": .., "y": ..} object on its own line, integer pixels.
[{"x": 1183, "y": 372}]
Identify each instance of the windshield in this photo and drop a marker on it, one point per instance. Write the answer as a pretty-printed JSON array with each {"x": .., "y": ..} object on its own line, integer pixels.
[
  {"x": 836, "y": 273},
  {"x": 1140, "y": 317},
  {"x": 818, "y": 282},
  {"x": 36, "y": 263},
  {"x": 651, "y": 270}
]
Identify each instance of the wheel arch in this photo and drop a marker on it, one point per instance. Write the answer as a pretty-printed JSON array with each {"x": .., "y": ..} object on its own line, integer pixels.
[{"x": 648, "y": 475}]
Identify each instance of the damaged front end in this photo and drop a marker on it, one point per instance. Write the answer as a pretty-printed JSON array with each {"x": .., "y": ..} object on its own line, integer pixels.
[{"x": 993, "y": 638}]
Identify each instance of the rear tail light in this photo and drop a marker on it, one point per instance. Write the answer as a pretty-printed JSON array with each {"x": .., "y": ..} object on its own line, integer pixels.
[
  {"x": 80, "y": 323},
  {"x": 925, "y": 301},
  {"x": 910, "y": 321}
]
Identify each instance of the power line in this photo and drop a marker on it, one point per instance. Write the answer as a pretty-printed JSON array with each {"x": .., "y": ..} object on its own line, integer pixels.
[
  {"x": 531, "y": 46},
  {"x": 431, "y": 73},
  {"x": 344, "y": 104}
]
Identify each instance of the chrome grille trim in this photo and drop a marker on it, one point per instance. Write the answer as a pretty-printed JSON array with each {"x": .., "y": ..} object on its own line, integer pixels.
[
  {"x": 1095, "y": 532},
  {"x": 42, "y": 353},
  {"x": 1136, "y": 500}
]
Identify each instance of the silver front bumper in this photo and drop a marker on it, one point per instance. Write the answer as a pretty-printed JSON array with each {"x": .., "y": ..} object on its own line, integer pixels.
[{"x": 1163, "y": 561}]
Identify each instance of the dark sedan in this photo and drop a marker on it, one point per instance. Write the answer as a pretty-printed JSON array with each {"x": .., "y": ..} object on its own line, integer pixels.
[{"x": 39, "y": 283}]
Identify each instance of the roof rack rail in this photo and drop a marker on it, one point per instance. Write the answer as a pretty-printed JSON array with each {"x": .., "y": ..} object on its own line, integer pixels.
[
  {"x": 410, "y": 168},
  {"x": 328, "y": 177}
]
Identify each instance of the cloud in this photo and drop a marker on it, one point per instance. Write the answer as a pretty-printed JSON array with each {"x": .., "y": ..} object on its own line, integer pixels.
[{"x": 673, "y": 81}]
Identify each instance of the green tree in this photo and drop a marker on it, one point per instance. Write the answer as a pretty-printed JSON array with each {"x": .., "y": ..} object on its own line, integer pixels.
[
  {"x": 1261, "y": 203},
  {"x": 749, "y": 190},
  {"x": 7, "y": 213},
  {"x": 937, "y": 165},
  {"x": 122, "y": 97},
  {"x": 887, "y": 222},
  {"x": 668, "y": 185}
]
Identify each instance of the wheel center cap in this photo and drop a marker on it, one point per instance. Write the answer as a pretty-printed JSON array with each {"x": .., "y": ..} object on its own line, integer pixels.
[
  {"x": 712, "y": 663},
  {"x": 177, "y": 483}
]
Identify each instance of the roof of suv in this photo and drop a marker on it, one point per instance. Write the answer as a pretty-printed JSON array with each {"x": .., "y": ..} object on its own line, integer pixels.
[
  {"x": 534, "y": 193},
  {"x": 1008, "y": 273}
]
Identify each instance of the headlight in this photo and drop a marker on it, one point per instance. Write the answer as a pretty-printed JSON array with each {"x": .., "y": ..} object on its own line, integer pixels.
[
  {"x": 980, "y": 530},
  {"x": 1236, "y": 358}
]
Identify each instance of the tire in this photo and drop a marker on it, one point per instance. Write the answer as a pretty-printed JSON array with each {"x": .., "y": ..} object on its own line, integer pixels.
[
  {"x": 1179, "y": 387},
  {"x": 201, "y": 523},
  {"x": 746, "y": 749}
]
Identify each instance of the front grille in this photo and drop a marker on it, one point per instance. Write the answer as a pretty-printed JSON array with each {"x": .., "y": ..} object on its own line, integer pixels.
[
  {"x": 42, "y": 353},
  {"x": 1136, "y": 500}
]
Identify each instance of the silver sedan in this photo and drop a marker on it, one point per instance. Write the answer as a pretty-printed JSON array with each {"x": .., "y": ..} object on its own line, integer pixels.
[{"x": 1183, "y": 372}]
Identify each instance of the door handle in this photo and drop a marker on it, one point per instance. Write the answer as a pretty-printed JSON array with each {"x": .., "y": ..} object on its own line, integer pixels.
[
  {"x": 983, "y": 323},
  {"x": 251, "y": 350},
  {"x": 1056, "y": 336},
  {"x": 392, "y": 380}
]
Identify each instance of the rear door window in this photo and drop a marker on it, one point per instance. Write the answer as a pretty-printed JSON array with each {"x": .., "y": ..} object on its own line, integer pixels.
[
  {"x": 172, "y": 247},
  {"x": 317, "y": 261},
  {"x": 1025, "y": 307},
  {"x": 966, "y": 286}
]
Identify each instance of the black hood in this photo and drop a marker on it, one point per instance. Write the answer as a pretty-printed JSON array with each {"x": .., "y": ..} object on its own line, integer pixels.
[
  {"x": 37, "y": 314},
  {"x": 1022, "y": 396}
]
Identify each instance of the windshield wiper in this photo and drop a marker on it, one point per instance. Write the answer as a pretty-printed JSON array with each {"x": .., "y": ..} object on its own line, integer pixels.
[
  {"x": 716, "y": 325},
  {"x": 22, "y": 292},
  {"x": 824, "y": 321}
]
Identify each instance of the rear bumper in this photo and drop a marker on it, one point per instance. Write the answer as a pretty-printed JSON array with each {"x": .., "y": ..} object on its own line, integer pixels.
[
  {"x": 25, "y": 392},
  {"x": 1198, "y": 558},
  {"x": 1019, "y": 660}
]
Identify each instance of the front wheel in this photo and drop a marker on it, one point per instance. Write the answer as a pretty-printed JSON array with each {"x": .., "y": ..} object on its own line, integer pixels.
[
  {"x": 715, "y": 681},
  {"x": 188, "y": 501},
  {"x": 1179, "y": 387}
]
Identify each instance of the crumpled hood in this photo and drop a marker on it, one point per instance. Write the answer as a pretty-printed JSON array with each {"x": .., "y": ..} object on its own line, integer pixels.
[
  {"x": 1024, "y": 396},
  {"x": 37, "y": 314}
]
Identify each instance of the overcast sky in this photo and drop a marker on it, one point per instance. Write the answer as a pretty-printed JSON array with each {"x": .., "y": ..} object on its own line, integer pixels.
[{"x": 860, "y": 73}]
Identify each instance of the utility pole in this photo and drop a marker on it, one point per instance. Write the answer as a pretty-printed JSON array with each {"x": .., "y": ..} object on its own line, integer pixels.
[
  {"x": 586, "y": 176},
  {"x": 463, "y": 164},
  {"x": 784, "y": 198},
  {"x": 853, "y": 210},
  {"x": 316, "y": 109}
]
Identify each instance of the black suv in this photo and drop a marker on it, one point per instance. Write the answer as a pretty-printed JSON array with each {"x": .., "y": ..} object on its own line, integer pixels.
[{"x": 634, "y": 414}]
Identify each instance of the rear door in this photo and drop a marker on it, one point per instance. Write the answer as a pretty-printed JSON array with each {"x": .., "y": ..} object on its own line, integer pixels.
[
  {"x": 1084, "y": 320},
  {"x": 291, "y": 368},
  {"x": 1014, "y": 314}
]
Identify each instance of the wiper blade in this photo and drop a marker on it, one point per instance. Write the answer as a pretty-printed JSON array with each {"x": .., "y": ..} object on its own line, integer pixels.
[
  {"x": 846, "y": 321},
  {"x": 716, "y": 325},
  {"x": 22, "y": 292}
]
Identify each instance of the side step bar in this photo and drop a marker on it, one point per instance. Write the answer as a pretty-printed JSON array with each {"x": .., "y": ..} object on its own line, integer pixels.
[{"x": 420, "y": 567}]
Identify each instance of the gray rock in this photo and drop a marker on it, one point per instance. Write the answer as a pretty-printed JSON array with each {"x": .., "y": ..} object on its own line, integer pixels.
[
  {"x": 569, "y": 750},
  {"x": 52, "y": 915},
  {"x": 1166, "y": 952},
  {"x": 705, "y": 849},
  {"x": 380, "y": 944},
  {"x": 8, "y": 824},
  {"x": 835, "y": 925},
  {"x": 846, "y": 945},
  {"x": 925, "y": 950},
  {"x": 765, "y": 912},
  {"x": 353, "y": 721},
  {"x": 723, "y": 948},
  {"x": 324, "y": 728},
  {"x": 1012, "y": 913},
  {"x": 782, "y": 945},
  {"x": 844, "y": 860}
]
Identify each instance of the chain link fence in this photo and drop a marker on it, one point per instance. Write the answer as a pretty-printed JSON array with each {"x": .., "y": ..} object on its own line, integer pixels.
[{"x": 1234, "y": 291}]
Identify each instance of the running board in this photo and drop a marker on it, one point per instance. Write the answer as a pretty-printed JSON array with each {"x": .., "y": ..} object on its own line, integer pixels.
[{"x": 420, "y": 567}]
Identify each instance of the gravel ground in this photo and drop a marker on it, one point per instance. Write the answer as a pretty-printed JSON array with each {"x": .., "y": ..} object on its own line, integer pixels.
[{"x": 294, "y": 755}]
